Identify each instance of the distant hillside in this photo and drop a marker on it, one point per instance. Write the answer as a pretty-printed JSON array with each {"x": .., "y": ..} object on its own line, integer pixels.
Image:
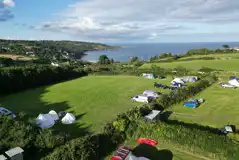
[{"x": 50, "y": 49}]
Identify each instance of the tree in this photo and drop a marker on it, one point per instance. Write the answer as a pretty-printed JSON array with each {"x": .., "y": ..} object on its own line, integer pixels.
[
  {"x": 134, "y": 59},
  {"x": 103, "y": 59},
  {"x": 225, "y": 46},
  {"x": 112, "y": 61}
]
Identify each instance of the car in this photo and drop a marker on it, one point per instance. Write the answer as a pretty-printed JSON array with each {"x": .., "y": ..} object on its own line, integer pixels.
[
  {"x": 6, "y": 112},
  {"x": 121, "y": 153},
  {"x": 142, "y": 98},
  {"x": 125, "y": 153}
]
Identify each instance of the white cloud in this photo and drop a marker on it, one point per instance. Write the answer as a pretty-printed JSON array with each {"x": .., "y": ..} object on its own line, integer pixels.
[
  {"x": 8, "y": 3},
  {"x": 134, "y": 19}
]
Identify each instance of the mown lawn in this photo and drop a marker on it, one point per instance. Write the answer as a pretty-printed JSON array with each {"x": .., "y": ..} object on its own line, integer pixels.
[
  {"x": 16, "y": 57},
  {"x": 220, "y": 108},
  {"x": 93, "y": 99},
  {"x": 218, "y": 56},
  {"x": 226, "y": 65}
]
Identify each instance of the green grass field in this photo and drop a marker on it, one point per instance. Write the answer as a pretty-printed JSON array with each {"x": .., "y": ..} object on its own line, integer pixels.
[
  {"x": 226, "y": 65},
  {"x": 219, "y": 109},
  {"x": 16, "y": 57},
  {"x": 217, "y": 56},
  {"x": 93, "y": 99}
]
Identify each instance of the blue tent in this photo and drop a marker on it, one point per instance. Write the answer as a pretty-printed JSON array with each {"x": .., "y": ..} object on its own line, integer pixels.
[{"x": 191, "y": 104}]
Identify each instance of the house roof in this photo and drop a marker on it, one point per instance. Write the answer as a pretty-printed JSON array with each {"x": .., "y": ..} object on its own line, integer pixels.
[{"x": 14, "y": 151}]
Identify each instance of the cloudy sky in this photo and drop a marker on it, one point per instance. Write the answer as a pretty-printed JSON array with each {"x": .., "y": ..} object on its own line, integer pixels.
[{"x": 121, "y": 21}]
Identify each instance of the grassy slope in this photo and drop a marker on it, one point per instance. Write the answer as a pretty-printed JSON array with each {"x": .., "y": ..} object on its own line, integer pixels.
[
  {"x": 16, "y": 57},
  {"x": 227, "y": 65},
  {"x": 220, "y": 108},
  {"x": 94, "y": 99},
  {"x": 218, "y": 56}
]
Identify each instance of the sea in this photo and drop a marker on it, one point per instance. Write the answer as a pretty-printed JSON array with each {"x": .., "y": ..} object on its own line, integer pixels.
[{"x": 146, "y": 50}]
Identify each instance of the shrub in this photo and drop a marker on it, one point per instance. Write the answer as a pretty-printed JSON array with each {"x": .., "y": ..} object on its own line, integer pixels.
[
  {"x": 15, "y": 79},
  {"x": 35, "y": 143},
  {"x": 76, "y": 149}
]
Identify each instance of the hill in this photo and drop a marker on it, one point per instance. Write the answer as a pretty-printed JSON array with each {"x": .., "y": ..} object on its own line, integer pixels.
[{"x": 50, "y": 49}]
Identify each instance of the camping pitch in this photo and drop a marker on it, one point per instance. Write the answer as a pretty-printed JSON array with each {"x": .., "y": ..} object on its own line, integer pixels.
[{"x": 45, "y": 121}]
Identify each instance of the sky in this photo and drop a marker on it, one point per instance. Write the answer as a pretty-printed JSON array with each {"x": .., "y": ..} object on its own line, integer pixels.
[{"x": 121, "y": 21}]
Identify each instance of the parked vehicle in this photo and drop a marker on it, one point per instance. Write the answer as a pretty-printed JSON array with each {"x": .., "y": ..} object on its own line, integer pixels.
[
  {"x": 150, "y": 93},
  {"x": 142, "y": 98},
  {"x": 158, "y": 85},
  {"x": 125, "y": 153},
  {"x": 6, "y": 112}
]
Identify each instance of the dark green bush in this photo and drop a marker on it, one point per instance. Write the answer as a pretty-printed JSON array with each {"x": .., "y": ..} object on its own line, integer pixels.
[
  {"x": 15, "y": 79},
  {"x": 76, "y": 149},
  {"x": 35, "y": 142}
]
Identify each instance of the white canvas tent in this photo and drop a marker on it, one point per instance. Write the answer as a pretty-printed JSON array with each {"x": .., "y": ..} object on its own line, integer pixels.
[
  {"x": 150, "y": 93},
  {"x": 148, "y": 75},
  {"x": 234, "y": 82},
  {"x": 45, "y": 121},
  {"x": 177, "y": 80},
  {"x": 190, "y": 79},
  {"x": 54, "y": 115},
  {"x": 69, "y": 118}
]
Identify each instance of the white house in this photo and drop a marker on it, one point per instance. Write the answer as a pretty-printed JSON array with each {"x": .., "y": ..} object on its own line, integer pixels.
[
  {"x": 55, "y": 64},
  {"x": 236, "y": 48}
]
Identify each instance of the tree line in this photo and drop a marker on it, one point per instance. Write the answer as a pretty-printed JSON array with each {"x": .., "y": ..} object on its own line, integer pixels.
[{"x": 14, "y": 79}]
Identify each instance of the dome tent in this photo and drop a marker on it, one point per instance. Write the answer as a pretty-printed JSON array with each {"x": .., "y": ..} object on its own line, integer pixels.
[
  {"x": 54, "y": 115},
  {"x": 69, "y": 118},
  {"x": 45, "y": 121},
  {"x": 177, "y": 80}
]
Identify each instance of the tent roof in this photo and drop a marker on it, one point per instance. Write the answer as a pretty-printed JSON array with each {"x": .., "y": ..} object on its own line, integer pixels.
[
  {"x": 149, "y": 91},
  {"x": 69, "y": 118},
  {"x": 14, "y": 151},
  {"x": 228, "y": 128},
  {"x": 177, "y": 80},
  {"x": 152, "y": 114},
  {"x": 45, "y": 120},
  {"x": 54, "y": 115}
]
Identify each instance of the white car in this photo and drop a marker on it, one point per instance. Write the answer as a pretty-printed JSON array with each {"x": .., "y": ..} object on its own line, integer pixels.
[{"x": 140, "y": 98}]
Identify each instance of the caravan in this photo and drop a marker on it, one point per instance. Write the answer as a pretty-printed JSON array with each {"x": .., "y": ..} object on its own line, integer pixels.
[
  {"x": 150, "y": 93},
  {"x": 149, "y": 75},
  {"x": 141, "y": 98}
]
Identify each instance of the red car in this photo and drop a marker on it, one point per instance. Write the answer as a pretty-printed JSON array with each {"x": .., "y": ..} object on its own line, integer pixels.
[
  {"x": 121, "y": 153},
  {"x": 124, "y": 153}
]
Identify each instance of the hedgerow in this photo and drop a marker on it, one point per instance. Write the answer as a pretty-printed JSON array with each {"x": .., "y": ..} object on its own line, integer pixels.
[{"x": 13, "y": 79}]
